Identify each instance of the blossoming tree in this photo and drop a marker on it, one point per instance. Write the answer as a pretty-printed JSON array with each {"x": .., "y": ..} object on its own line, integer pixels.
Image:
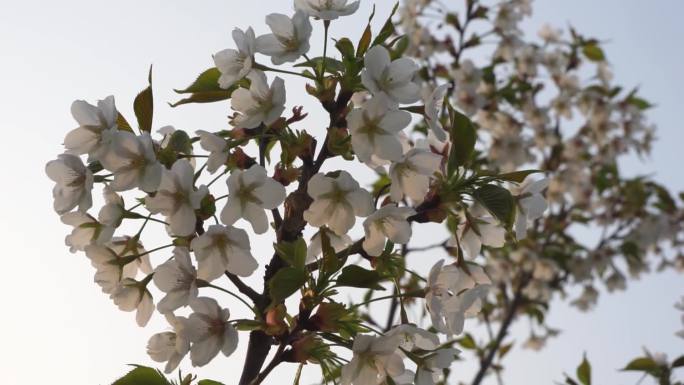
[{"x": 513, "y": 155}]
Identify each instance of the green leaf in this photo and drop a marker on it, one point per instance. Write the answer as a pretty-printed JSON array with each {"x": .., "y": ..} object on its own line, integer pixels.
[
  {"x": 331, "y": 65},
  {"x": 639, "y": 103},
  {"x": 346, "y": 48},
  {"x": 365, "y": 40},
  {"x": 517, "y": 176},
  {"x": 294, "y": 253},
  {"x": 356, "y": 276},
  {"x": 208, "y": 382},
  {"x": 143, "y": 106},
  {"x": 142, "y": 375},
  {"x": 285, "y": 283},
  {"x": 463, "y": 137},
  {"x": 467, "y": 342},
  {"x": 122, "y": 123},
  {"x": 642, "y": 364},
  {"x": 584, "y": 371},
  {"x": 205, "y": 89},
  {"x": 593, "y": 52},
  {"x": 331, "y": 264},
  {"x": 180, "y": 142},
  {"x": 498, "y": 201},
  {"x": 678, "y": 362},
  {"x": 387, "y": 29}
]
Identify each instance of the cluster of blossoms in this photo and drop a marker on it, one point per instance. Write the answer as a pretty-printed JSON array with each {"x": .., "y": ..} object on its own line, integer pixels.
[
  {"x": 533, "y": 109},
  {"x": 456, "y": 166}
]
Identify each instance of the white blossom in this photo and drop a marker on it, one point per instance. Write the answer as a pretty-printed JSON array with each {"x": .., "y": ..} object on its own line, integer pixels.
[
  {"x": 326, "y": 9},
  {"x": 389, "y": 222},
  {"x": 289, "y": 40},
  {"x": 217, "y": 147},
  {"x": 250, "y": 193},
  {"x": 433, "y": 109},
  {"x": 337, "y": 201},
  {"x": 235, "y": 64},
  {"x": 222, "y": 249},
  {"x": 129, "y": 246},
  {"x": 86, "y": 231},
  {"x": 112, "y": 213},
  {"x": 393, "y": 78},
  {"x": 177, "y": 278},
  {"x": 73, "y": 183},
  {"x": 337, "y": 242},
  {"x": 259, "y": 104},
  {"x": 97, "y": 124},
  {"x": 374, "y": 130},
  {"x": 133, "y": 162},
  {"x": 177, "y": 199},
  {"x": 433, "y": 367},
  {"x": 209, "y": 331},
  {"x": 170, "y": 347},
  {"x": 481, "y": 229},
  {"x": 411, "y": 175},
  {"x": 452, "y": 295},
  {"x": 130, "y": 295},
  {"x": 531, "y": 204},
  {"x": 374, "y": 359},
  {"x": 110, "y": 267}
]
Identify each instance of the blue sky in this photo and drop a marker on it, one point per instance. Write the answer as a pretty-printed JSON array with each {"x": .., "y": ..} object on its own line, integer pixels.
[{"x": 56, "y": 325}]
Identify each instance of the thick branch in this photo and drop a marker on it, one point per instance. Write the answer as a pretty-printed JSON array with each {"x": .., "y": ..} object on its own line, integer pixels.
[{"x": 244, "y": 288}]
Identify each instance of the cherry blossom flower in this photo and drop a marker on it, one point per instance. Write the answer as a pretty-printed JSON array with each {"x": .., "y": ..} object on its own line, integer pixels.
[
  {"x": 411, "y": 175},
  {"x": 289, "y": 40},
  {"x": 482, "y": 230},
  {"x": 374, "y": 359},
  {"x": 129, "y": 246},
  {"x": 112, "y": 213},
  {"x": 531, "y": 204},
  {"x": 110, "y": 267},
  {"x": 96, "y": 126},
  {"x": 170, "y": 347},
  {"x": 217, "y": 147},
  {"x": 452, "y": 295},
  {"x": 130, "y": 295},
  {"x": 177, "y": 278},
  {"x": 392, "y": 78},
  {"x": 73, "y": 183},
  {"x": 259, "y": 104},
  {"x": 433, "y": 367},
  {"x": 433, "y": 108},
  {"x": 389, "y": 222},
  {"x": 133, "y": 162},
  {"x": 250, "y": 193},
  {"x": 235, "y": 64},
  {"x": 412, "y": 337},
  {"x": 209, "y": 331},
  {"x": 222, "y": 249},
  {"x": 374, "y": 129},
  {"x": 177, "y": 199},
  {"x": 337, "y": 200},
  {"x": 337, "y": 242},
  {"x": 87, "y": 230},
  {"x": 326, "y": 9}
]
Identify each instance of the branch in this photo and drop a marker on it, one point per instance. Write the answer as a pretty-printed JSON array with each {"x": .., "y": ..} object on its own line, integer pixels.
[
  {"x": 517, "y": 301},
  {"x": 244, "y": 288}
]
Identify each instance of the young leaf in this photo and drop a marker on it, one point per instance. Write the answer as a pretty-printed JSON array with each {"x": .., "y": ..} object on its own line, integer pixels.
[
  {"x": 122, "y": 123},
  {"x": 294, "y": 253},
  {"x": 142, "y": 375},
  {"x": 143, "y": 106},
  {"x": 285, "y": 283},
  {"x": 642, "y": 364},
  {"x": 356, "y": 276},
  {"x": 584, "y": 372},
  {"x": 205, "y": 89},
  {"x": 209, "y": 382},
  {"x": 331, "y": 65},
  {"x": 463, "y": 137},
  {"x": 593, "y": 52},
  {"x": 387, "y": 29},
  {"x": 517, "y": 176},
  {"x": 498, "y": 201}
]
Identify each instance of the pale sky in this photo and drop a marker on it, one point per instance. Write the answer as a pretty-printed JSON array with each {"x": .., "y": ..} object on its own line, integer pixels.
[{"x": 58, "y": 327}]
